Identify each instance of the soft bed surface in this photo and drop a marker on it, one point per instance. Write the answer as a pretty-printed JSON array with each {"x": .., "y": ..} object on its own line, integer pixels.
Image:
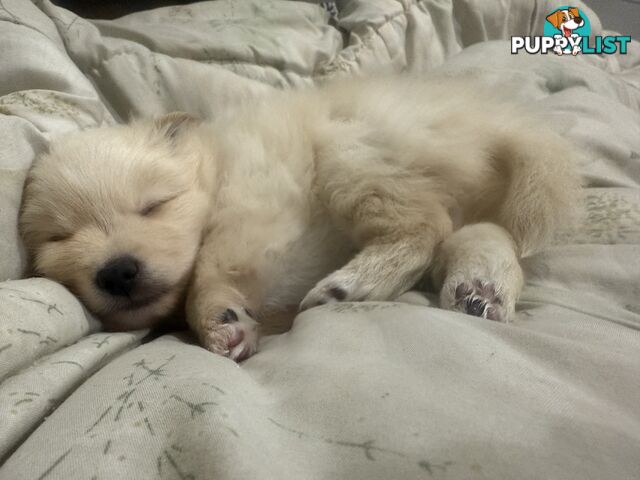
[{"x": 354, "y": 391}]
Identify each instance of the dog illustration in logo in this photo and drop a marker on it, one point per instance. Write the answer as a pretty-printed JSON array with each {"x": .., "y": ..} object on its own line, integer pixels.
[{"x": 567, "y": 21}]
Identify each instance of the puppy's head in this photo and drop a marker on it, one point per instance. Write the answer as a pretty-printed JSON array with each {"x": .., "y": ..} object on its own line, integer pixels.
[{"x": 116, "y": 214}]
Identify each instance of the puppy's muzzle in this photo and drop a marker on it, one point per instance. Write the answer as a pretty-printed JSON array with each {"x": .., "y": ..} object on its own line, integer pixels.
[{"x": 118, "y": 276}]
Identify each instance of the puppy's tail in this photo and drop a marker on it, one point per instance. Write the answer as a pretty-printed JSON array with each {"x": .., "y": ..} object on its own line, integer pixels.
[{"x": 543, "y": 195}]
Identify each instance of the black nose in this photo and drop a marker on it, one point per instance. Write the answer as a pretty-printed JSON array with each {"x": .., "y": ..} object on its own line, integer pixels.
[
  {"x": 118, "y": 276},
  {"x": 578, "y": 20}
]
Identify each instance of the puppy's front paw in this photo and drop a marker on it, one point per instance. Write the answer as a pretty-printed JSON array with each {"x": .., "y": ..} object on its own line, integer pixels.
[
  {"x": 337, "y": 287},
  {"x": 233, "y": 333},
  {"x": 474, "y": 297}
]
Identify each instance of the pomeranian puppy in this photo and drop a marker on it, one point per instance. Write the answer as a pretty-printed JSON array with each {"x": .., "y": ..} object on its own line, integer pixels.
[{"x": 352, "y": 191}]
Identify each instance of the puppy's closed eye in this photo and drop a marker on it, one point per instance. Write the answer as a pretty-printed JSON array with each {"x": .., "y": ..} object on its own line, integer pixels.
[
  {"x": 154, "y": 206},
  {"x": 58, "y": 238}
]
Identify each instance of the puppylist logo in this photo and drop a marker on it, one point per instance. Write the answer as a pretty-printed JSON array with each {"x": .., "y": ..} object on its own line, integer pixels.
[{"x": 567, "y": 30}]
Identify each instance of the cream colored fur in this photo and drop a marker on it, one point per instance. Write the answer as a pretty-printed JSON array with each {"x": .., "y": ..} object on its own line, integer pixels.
[{"x": 346, "y": 192}]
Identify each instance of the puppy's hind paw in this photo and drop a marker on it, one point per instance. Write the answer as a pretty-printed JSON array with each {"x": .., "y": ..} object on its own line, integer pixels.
[
  {"x": 234, "y": 334},
  {"x": 476, "y": 297}
]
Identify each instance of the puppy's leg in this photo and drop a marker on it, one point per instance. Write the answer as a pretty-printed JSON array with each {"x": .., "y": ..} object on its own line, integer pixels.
[
  {"x": 220, "y": 308},
  {"x": 479, "y": 272},
  {"x": 384, "y": 269},
  {"x": 391, "y": 214}
]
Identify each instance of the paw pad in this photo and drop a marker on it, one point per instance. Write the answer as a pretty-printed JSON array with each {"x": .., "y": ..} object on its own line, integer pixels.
[
  {"x": 479, "y": 299},
  {"x": 338, "y": 293},
  {"x": 323, "y": 294},
  {"x": 232, "y": 333}
]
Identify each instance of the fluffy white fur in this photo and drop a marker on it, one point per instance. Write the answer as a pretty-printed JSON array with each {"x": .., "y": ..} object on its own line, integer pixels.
[{"x": 346, "y": 192}]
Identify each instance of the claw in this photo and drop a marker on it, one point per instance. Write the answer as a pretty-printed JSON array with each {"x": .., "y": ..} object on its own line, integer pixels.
[{"x": 478, "y": 298}]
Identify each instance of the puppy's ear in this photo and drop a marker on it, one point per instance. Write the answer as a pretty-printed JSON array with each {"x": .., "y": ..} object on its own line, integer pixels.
[
  {"x": 555, "y": 18},
  {"x": 574, "y": 11},
  {"x": 173, "y": 124}
]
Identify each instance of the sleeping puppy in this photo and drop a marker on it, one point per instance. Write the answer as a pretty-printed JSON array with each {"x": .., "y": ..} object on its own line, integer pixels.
[{"x": 352, "y": 191}]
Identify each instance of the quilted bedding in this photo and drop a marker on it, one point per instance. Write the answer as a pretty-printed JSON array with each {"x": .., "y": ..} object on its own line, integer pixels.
[{"x": 354, "y": 391}]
